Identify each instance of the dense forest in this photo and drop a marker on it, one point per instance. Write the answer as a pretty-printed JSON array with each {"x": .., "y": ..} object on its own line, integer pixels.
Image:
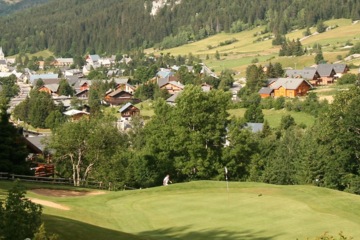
[
  {"x": 75, "y": 27},
  {"x": 7, "y": 8}
]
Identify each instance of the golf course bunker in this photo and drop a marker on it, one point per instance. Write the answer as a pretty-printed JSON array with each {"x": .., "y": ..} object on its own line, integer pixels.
[
  {"x": 49, "y": 204},
  {"x": 65, "y": 193}
]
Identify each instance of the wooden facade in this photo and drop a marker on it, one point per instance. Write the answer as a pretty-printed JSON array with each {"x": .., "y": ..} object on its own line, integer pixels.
[
  {"x": 119, "y": 97},
  {"x": 172, "y": 87},
  {"x": 291, "y": 87},
  {"x": 129, "y": 110}
]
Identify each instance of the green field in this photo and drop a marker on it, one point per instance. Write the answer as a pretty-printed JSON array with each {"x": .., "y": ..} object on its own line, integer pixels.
[
  {"x": 274, "y": 116},
  {"x": 241, "y": 53},
  {"x": 206, "y": 210}
]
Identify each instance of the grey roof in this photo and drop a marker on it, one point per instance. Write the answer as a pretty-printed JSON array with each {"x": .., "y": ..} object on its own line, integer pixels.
[
  {"x": 288, "y": 83},
  {"x": 178, "y": 84},
  {"x": 265, "y": 90},
  {"x": 116, "y": 92},
  {"x": 2, "y": 62},
  {"x": 47, "y": 81},
  {"x": 53, "y": 87},
  {"x": 36, "y": 141},
  {"x": 123, "y": 108},
  {"x": 339, "y": 68},
  {"x": 95, "y": 57},
  {"x": 162, "y": 81},
  {"x": 255, "y": 127},
  {"x": 72, "y": 80},
  {"x": 165, "y": 73},
  {"x": 172, "y": 99},
  {"x": 325, "y": 70},
  {"x": 271, "y": 80},
  {"x": 43, "y": 76},
  {"x": 308, "y": 73},
  {"x": 121, "y": 80}
]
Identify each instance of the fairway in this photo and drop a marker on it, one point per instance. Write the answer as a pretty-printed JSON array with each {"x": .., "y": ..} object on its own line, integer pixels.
[{"x": 206, "y": 210}]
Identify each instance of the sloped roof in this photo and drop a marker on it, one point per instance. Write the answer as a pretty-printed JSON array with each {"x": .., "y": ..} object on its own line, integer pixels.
[
  {"x": 162, "y": 81},
  {"x": 36, "y": 142},
  {"x": 95, "y": 57},
  {"x": 325, "y": 70},
  {"x": 126, "y": 106},
  {"x": 65, "y": 60},
  {"x": 172, "y": 99},
  {"x": 289, "y": 83},
  {"x": 121, "y": 80},
  {"x": 53, "y": 87},
  {"x": 339, "y": 68},
  {"x": 118, "y": 91},
  {"x": 73, "y": 112},
  {"x": 164, "y": 73},
  {"x": 255, "y": 127},
  {"x": 177, "y": 84},
  {"x": 43, "y": 76},
  {"x": 308, "y": 73},
  {"x": 265, "y": 90}
]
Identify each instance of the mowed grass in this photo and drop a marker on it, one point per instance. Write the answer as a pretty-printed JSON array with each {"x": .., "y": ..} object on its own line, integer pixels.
[
  {"x": 274, "y": 116},
  {"x": 207, "y": 210}
]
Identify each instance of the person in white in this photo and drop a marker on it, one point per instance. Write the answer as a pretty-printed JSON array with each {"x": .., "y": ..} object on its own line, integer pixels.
[{"x": 166, "y": 180}]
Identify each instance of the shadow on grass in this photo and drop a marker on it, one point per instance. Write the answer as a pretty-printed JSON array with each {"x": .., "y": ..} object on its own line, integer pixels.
[
  {"x": 69, "y": 229},
  {"x": 213, "y": 234}
]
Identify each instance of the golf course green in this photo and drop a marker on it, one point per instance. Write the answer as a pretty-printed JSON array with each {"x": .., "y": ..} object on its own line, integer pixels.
[{"x": 204, "y": 210}]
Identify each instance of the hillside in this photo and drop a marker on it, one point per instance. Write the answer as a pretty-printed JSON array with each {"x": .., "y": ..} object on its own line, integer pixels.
[
  {"x": 202, "y": 210},
  {"x": 11, "y": 6},
  {"x": 239, "y": 54},
  {"x": 71, "y": 28}
]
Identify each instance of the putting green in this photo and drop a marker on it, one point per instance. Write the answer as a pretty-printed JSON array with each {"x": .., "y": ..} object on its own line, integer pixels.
[{"x": 206, "y": 210}]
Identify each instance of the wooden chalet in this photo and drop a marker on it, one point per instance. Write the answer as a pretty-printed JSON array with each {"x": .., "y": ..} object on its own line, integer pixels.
[
  {"x": 173, "y": 87},
  {"x": 327, "y": 73},
  {"x": 129, "y": 110},
  {"x": 51, "y": 89},
  {"x": 84, "y": 94},
  {"x": 119, "y": 97},
  {"x": 62, "y": 62},
  {"x": 76, "y": 114},
  {"x": 340, "y": 69},
  {"x": 309, "y": 74},
  {"x": 290, "y": 87},
  {"x": 126, "y": 87}
]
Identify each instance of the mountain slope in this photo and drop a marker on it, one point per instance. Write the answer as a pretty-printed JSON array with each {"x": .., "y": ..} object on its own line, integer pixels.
[
  {"x": 74, "y": 27},
  {"x": 10, "y": 6}
]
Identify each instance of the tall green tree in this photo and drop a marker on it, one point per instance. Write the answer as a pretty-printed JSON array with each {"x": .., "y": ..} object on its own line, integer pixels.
[
  {"x": 65, "y": 89},
  {"x": 13, "y": 150},
  {"x": 85, "y": 148}
]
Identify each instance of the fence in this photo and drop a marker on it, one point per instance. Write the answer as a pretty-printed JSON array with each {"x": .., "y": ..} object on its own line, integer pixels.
[{"x": 50, "y": 180}]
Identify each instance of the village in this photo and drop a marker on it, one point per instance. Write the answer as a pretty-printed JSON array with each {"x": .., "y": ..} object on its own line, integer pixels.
[{"x": 294, "y": 83}]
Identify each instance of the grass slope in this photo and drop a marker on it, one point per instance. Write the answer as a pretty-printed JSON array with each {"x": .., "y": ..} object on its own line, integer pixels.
[
  {"x": 206, "y": 210},
  {"x": 245, "y": 50}
]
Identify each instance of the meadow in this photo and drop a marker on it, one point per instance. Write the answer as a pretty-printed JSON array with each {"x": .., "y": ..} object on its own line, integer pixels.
[
  {"x": 247, "y": 49},
  {"x": 204, "y": 210}
]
